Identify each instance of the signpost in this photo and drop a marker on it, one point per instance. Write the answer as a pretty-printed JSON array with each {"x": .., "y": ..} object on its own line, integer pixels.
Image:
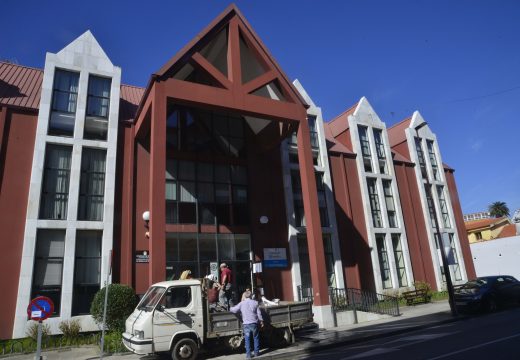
[{"x": 39, "y": 309}]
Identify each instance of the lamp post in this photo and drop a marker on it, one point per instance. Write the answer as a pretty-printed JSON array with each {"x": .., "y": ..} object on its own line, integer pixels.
[{"x": 445, "y": 265}]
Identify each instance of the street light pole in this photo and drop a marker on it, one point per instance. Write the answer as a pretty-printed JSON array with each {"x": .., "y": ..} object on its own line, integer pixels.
[{"x": 440, "y": 243}]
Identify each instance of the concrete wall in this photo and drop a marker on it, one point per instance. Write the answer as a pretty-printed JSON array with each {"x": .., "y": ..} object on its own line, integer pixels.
[{"x": 497, "y": 257}]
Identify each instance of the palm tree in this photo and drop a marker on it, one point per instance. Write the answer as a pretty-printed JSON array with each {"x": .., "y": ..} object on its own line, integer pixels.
[{"x": 498, "y": 209}]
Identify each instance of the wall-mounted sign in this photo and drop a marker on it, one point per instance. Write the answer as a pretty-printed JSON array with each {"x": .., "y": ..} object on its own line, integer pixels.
[
  {"x": 142, "y": 256},
  {"x": 275, "y": 257}
]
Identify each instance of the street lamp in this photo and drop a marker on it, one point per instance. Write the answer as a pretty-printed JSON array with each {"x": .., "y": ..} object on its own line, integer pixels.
[{"x": 445, "y": 265}]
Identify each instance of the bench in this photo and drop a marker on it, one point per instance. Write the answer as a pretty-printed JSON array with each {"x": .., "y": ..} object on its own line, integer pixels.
[{"x": 416, "y": 296}]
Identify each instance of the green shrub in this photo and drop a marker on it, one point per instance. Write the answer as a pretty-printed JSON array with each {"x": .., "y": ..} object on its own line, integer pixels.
[
  {"x": 70, "y": 328},
  {"x": 32, "y": 330},
  {"x": 121, "y": 303}
]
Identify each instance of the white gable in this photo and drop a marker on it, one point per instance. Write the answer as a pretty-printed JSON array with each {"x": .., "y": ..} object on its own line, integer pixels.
[
  {"x": 366, "y": 114},
  {"x": 425, "y": 130},
  {"x": 85, "y": 52}
]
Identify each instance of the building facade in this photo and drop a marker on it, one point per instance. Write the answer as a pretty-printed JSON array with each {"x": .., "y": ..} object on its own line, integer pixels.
[{"x": 232, "y": 163}]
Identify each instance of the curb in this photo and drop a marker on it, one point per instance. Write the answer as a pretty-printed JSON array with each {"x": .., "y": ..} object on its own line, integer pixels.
[{"x": 315, "y": 348}]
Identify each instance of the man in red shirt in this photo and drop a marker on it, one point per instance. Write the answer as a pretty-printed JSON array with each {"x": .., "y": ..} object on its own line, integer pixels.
[{"x": 225, "y": 286}]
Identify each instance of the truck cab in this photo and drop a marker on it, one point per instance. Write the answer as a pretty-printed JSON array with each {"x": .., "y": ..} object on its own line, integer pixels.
[{"x": 169, "y": 317}]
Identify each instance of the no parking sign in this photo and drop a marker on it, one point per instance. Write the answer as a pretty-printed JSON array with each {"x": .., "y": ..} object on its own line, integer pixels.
[{"x": 40, "y": 308}]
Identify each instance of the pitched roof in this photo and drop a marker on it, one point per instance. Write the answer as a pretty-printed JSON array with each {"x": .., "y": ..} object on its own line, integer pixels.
[
  {"x": 332, "y": 144},
  {"x": 507, "y": 231},
  {"x": 399, "y": 158},
  {"x": 340, "y": 123},
  {"x": 484, "y": 223},
  {"x": 130, "y": 98},
  {"x": 20, "y": 86},
  {"x": 396, "y": 134}
]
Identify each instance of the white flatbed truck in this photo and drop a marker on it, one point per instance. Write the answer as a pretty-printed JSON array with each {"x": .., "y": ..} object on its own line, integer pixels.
[{"x": 173, "y": 316}]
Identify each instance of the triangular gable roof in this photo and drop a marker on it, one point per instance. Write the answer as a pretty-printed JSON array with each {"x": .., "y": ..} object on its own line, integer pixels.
[
  {"x": 86, "y": 45},
  {"x": 246, "y": 30}
]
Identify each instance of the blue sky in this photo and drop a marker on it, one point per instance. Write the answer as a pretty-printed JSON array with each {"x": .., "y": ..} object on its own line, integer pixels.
[{"x": 457, "y": 62}]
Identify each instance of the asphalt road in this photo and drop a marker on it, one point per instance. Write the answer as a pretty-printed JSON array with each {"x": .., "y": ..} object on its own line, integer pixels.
[{"x": 492, "y": 336}]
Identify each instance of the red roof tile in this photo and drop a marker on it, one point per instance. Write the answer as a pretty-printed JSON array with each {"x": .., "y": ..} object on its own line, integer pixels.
[
  {"x": 507, "y": 231},
  {"x": 20, "y": 86},
  {"x": 483, "y": 223}
]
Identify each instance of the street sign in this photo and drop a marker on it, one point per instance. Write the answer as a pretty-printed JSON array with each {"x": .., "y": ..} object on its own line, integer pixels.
[{"x": 40, "y": 308}]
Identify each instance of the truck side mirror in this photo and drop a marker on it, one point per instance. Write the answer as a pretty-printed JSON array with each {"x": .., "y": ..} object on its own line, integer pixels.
[{"x": 160, "y": 308}]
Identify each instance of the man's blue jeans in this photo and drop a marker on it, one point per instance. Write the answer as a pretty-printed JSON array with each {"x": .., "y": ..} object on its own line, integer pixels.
[{"x": 248, "y": 330}]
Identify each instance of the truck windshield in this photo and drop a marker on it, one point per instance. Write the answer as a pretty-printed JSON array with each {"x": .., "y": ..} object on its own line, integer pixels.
[{"x": 151, "y": 298}]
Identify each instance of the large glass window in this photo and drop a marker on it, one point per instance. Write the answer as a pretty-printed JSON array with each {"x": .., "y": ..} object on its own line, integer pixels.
[
  {"x": 433, "y": 159},
  {"x": 384, "y": 265},
  {"x": 431, "y": 205},
  {"x": 98, "y": 106},
  {"x": 380, "y": 148},
  {"x": 196, "y": 130},
  {"x": 420, "y": 156},
  {"x": 48, "y": 266},
  {"x": 365, "y": 148},
  {"x": 444, "y": 207},
  {"x": 87, "y": 270},
  {"x": 390, "y": 204},
  {"x": 456, "y": 265},
  {"x": 374, "y": 203},
  {"x": 64, "y": 100},
  {"x": 55, "y": 186},
  {"x": 92, "y": 185},
  {"x": 305, "y": 268},
  {"x": 399, "y": 260},
  {"x": 313, "y": 131},
  {"x": 218, "y": 191},
  {"x": 322, "y": 199}
]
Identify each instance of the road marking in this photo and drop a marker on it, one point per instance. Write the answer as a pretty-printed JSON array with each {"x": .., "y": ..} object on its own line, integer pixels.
[
  {"x": 377, "y": 351},
  {"x": 474, "y": 347}
]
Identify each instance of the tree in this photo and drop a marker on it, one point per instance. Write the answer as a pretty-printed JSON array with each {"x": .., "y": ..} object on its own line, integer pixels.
[
  {"x": 498, "y": 209},
  {"x": 121, "y": 303}
]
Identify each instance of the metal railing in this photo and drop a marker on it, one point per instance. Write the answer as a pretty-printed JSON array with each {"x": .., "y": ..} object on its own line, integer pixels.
[{"x": 355, "y": 300}]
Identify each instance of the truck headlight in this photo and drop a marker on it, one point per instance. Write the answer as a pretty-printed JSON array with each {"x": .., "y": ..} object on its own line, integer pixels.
[{"x": 139, "y": 334}]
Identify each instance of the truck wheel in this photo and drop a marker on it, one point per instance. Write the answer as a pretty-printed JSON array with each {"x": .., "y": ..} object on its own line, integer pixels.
[{"x": 185, "y": 349}]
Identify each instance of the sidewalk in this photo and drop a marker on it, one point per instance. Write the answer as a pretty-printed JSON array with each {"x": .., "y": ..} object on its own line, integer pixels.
[{"x": 307, "y": 341}]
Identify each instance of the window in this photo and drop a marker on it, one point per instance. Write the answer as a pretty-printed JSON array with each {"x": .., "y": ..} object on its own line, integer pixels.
[
  {"x": 98, "y": 106},
  {"x": 313, "y": 132},
  {"x": 92, "y": 185},
  {"x": 87, "y": 270},
  {"x": 374, "y": 203},
  {"x": 479, "y": 235},
  {"x": 384, "y": 265},
  {"x": 299, "y": 213},
  {"x": 444, "y": 207},
  {"x": 48, "y": 266},
  {"x": 218, "y": 191},
  {"x": 390, "y": 205},
  {"x": 63, "y": 106},
  {"x": 176, "y": 297},
  {"x": 196, "y": 130},
  {"x": 303, "y": 254},
  {"x": 55, "y": 187},
  {"x": 322, "y": 199},
  {"x": 431, "y": 206},
  {"x": 380, "y": 148},
  {"x": 455, "y": 259},
  {"x": 433, "y": 159},
  {"x": 365, "y": 148},
  {"x": 399, "y": 260},
  {"x": 420, "y": 156}
]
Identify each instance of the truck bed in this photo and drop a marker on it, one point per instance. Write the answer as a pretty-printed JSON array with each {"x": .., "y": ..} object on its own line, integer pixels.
[{"x": 290, "y": 314}]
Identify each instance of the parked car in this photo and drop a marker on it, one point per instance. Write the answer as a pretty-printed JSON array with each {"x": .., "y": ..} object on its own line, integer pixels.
[{"x": 487, "y": 293}]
